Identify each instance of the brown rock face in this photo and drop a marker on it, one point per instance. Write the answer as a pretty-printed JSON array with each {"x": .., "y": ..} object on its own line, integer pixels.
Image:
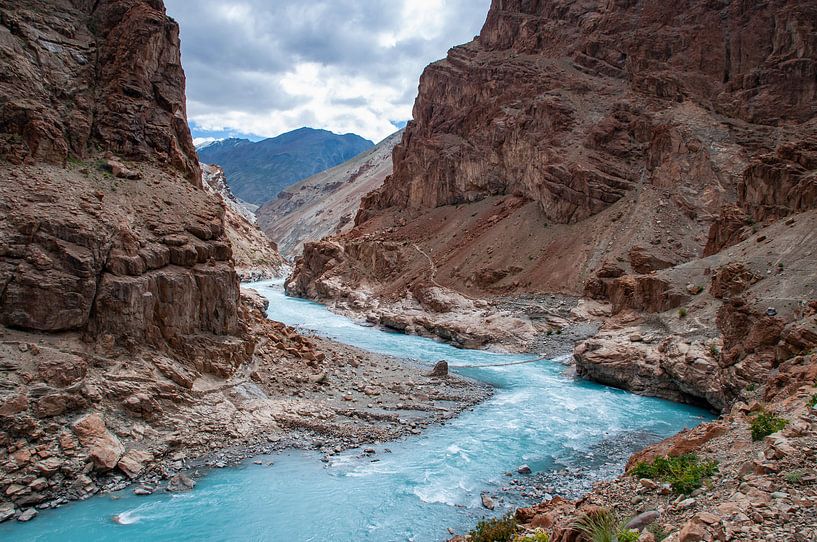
[
  {"x": 144, "y": 258},
  {"x": 104, "y": 448},
  {"x": 607, "y": 133},
  {"x": 255, "y": 255},
  {"x": 86, "y": 75},
  {"x": 117, "y": 281},
  {"x": 508, "y": 113}
]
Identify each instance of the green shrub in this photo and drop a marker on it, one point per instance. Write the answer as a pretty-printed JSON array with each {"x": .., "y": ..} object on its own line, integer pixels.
[
  {"x": 793, "y": 477},
  {"x": 535, "y": 537},
  {"x": 494, "y": 530},
  {"x": 682, "y": 313},
  {"x": 628, "y": 535},
  {"x": 658, "y": 532},
  {"x": 714, "y": 351},
  {"x": 685, "y": 473},
  {"x": 558, "y": 331},
  {"x": 751, "y": 387},
  {"x": 813, "y": 402},
  {"x": 765, "y": 423}
]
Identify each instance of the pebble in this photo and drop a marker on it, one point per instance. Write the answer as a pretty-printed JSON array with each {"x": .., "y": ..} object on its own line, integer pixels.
[
  {"x": 686, "y": 503},
  {"x": 647, "y": 483},
  {"x": 524, "y": 469}
]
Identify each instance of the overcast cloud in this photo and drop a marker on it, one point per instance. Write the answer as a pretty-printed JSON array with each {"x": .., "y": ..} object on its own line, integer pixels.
[{"x": 264, "y": 67}]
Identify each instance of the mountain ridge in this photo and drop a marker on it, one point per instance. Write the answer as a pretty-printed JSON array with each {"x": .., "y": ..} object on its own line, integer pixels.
[
  {"x": 327, "y": 202},
  {"x": 258, "y": 170}
]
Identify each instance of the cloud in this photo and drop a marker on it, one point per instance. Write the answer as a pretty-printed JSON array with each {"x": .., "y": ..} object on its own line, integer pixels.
[{"x": 262, "y": 68}]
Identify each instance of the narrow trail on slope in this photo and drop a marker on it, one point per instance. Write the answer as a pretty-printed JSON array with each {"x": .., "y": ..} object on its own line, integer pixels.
[{"x": 433, "y": 277}]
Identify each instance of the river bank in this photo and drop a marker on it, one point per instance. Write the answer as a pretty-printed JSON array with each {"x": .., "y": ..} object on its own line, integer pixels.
[
  {"x": 299, "y": 392},
  {"x": 430, "y": 482}
]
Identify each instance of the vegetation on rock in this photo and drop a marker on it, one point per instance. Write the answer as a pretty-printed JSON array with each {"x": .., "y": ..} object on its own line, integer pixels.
[
  {"x": 494, "y": 530},
  {"x": 685, "y": 473},
  {"x": 765, "y": 423},
  {"x": 602, "y": 525}
]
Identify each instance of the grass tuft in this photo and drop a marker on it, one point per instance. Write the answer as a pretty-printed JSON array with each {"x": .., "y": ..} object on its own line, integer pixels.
[
  {"x": 685, "y": 473},
  {"x": 766, "y": 423},
  {"x": 602, "y": 525}
]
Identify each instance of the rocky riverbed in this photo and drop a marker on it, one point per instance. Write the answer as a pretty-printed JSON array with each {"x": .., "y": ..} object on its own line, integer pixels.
[{"x": 297, "y": 392}]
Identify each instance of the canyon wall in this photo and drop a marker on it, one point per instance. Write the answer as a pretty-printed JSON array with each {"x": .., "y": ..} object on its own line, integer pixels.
[
  {"x": 627, "y": 125},
  {"x": 118, "y": 292},
  {"x": 624, "y": 151}
]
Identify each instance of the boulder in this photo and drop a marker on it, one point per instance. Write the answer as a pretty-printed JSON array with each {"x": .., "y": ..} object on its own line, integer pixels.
[
  {"x": 7, "y": 511},
  {"x": 104, "y": 447},
  {"x": 180, "y": 482},
  {"x": 641, "y": 521},
  {"x": 27, "y": 515},
  {"x": 133, "y": 462},
  {"x": 440, "y": 369}
]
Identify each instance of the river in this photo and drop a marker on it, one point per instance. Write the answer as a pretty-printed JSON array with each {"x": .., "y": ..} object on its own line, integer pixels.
[{"x": 569, "y": 430}]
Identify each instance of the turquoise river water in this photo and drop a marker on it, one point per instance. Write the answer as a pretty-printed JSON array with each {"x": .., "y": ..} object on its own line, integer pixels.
[{"x": 539, "y": 416}]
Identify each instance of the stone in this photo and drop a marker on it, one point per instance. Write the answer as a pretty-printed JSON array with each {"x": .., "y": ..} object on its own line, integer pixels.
[
  {"x": 27, "y": 515},
  {"x": 641, "y": 521},
  {"x": 648, "y": 484},
  {"x": 180, "y": 482},
  {"x": 7, "y": 511},
  {"x": 133, "y": 462},
  {"x": 686, "y": 503},
  {"x": 119, "y": 170},
  {"x": 693, "y": 531},
  {"x": 487, "y": 501},
  {"x": 440, "y": 369},
  {"x": 523, "y": 469},
  {"x": 104, "y": 447}
]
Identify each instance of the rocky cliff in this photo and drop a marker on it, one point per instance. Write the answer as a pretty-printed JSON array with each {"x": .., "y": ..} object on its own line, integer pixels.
[
  {"x": 122, "y": 320},
  {"x": 325, "y": 203},
  {"x": 602, "y": 149},
  {"x": 86, "y": 76},
  {"x": 255, "y": 255}
]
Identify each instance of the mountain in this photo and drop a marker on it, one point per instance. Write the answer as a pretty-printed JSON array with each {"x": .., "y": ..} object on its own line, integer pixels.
[
  {"x": 327, "y": 202},
  {"x": 560, "y": 152},
  {"x": 255, "y": 255},
  {"x": 258, "y": 171}
]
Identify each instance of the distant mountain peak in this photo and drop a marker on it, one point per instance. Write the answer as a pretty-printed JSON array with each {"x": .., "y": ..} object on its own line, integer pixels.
[{"x": 259, "y": 170}]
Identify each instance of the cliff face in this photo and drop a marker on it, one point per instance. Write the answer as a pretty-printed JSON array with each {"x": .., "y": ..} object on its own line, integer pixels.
[
  {"x": 570, "y": 137},
  {"x": 100, "y": 246},
  {"x": 118, "y": 291},
  {"x": 255, "y": 255},
  {"x": 657, "y": 157},
  {"x": 325, "y": 203},
  {"x": 84, "y": 76},
  {"x": 574, "y": 104}
]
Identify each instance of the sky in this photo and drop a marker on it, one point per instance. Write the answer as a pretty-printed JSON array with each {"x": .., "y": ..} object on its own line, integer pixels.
[{"x": 259, "y": 68}]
